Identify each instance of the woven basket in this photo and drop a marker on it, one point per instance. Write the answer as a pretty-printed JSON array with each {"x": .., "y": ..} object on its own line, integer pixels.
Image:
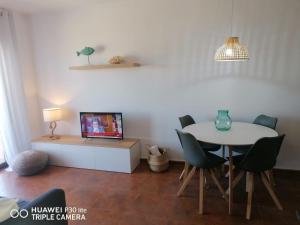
[{"x": 158, "y": 163}]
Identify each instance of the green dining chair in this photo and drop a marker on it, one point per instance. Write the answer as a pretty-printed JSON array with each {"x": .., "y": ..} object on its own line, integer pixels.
[
  {"x": 198, "y": 158},
  {"x": 186, "y": 121},
  {"x": 259, "y": 159},
  {"x": 266, "y": 121},
  {"x": 262, "y": 120}
]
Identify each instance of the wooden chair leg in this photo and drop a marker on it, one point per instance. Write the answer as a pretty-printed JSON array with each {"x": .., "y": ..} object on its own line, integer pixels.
[
  {"x": 218, "y": 171},
  {"x": 185, "y": 171},
  {"x": 182, "y": 173},
  {"x": 230, "y": 179},
  {"x": 271, "y": 191},
  {"x": 227, "y": 174},
  {"x": 186, "y": 181},
  {"x": 216, "y": 181},
  {"x": 236, "y": 180},
  {"x": 247, "y": 180},
  {"x": 206, "y": 184},
  {"x": 271, "y": 175},
  {"x": 250, "y": 194},
  {"x": 201, "y": 191},
  {"x": 268, "y": 175}
]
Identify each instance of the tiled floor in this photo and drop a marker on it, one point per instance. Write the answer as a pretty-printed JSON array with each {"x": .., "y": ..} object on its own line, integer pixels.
[{"x": 144, "y": 197}]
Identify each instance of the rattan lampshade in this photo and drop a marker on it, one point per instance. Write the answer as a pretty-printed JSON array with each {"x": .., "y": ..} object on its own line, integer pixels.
[{"x": 232, "y": 50}]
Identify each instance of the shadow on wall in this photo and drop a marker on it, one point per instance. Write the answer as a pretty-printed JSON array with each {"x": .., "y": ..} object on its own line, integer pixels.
[
  {"x": 99, "y": 49},
  {"x": 273, "y": 45},
  {"x": 192, "y": 78},
  {"x": 139, "y": 125},
  {"x": 69, "y": 115}
]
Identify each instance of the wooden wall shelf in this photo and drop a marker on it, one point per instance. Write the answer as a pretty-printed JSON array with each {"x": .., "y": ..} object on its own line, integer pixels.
[{"x": 104, "y": 66}]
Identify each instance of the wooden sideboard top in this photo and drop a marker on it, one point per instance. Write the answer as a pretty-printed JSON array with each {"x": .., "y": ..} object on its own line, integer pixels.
[{"x": 77, "y": 140}]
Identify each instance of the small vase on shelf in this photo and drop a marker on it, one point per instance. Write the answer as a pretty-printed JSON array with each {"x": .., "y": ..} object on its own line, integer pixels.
[{"x": 223, "y": 120}]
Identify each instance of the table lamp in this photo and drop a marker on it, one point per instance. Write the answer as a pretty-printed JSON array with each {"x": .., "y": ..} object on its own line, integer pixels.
[{"x": 52, "y": 115}]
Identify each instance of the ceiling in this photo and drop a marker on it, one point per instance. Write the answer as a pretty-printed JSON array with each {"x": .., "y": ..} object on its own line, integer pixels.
[{"x": 40, "y": 6}]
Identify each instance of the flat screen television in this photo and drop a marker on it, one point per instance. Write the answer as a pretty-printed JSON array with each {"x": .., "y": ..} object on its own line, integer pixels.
[{"x": 101, "y": 125}]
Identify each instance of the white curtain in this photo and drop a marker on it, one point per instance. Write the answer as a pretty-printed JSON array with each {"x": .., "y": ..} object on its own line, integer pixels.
[{"x": 14, "y": 130}]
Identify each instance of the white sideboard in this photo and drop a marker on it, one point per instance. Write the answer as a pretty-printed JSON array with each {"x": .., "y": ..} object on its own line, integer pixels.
[{"x": 99, "y": 154}]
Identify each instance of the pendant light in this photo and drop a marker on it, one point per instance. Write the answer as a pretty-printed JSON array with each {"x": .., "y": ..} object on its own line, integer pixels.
[{"x": 232, "y": 50}]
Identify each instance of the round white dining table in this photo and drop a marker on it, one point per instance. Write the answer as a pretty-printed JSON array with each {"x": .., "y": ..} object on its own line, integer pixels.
[{"x": 240, "y": 134}]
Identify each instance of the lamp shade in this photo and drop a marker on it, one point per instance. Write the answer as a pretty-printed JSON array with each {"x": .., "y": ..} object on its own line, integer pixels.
[
  {"x": 52, "y": 114},
  {"x": 232, "y": 50}
]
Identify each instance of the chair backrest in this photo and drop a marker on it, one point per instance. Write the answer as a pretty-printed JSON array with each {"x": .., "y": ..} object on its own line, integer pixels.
[
  {"x": 186, "y": 120},
  {"x": 263, "y": 154},
  {"x": 193, "y": 152},
  {"x": 266, "y": 121}
]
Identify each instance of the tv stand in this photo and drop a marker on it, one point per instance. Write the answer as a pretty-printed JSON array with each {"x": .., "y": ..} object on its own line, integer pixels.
[{"x": 99, "y": 154}]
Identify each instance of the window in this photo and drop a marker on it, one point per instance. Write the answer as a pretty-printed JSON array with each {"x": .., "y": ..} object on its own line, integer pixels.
[{"x": 2, "y": 160}]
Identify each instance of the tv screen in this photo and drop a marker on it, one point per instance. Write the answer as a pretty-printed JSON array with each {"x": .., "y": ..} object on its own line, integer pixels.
[{"x": 101, "y": 125}]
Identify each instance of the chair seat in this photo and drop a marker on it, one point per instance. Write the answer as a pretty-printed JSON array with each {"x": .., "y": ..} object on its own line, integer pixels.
[
  {"x": 237, "y": 159},
  {"x": 209, "y": 147},
  {"x": 213, "y": 161}
]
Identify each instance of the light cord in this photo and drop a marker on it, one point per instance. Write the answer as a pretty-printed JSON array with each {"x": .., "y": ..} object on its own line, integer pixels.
[{"x": 231, "y": 26}]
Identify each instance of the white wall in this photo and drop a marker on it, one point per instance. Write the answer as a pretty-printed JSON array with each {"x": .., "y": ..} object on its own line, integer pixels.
[{"x": 175, "y": 41}]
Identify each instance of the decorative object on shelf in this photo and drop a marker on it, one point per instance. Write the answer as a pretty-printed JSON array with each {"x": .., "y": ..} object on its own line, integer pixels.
[
  {"x": 104, "y": 66},
  {"x": 158, "y": 159},
  {"x": 52, "y": 115},
  {"x": 86, "y": 51},
  {"x": 232, "y": 50},
  {"x": 223, "y": 121},
  {"x": 116, "y": 60}
]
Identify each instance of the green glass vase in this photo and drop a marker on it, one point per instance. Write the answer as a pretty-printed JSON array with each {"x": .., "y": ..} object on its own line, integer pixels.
[{"x": 223, "y": 121}]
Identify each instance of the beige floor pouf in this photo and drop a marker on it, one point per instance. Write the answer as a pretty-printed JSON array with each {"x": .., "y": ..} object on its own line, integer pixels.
[{"x": 30, "y": 162}]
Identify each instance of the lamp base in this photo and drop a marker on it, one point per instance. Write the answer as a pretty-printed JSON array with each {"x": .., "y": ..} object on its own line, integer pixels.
[
  {"x": 52, "y": 127},
  {"x": 54, "y": 137}
]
